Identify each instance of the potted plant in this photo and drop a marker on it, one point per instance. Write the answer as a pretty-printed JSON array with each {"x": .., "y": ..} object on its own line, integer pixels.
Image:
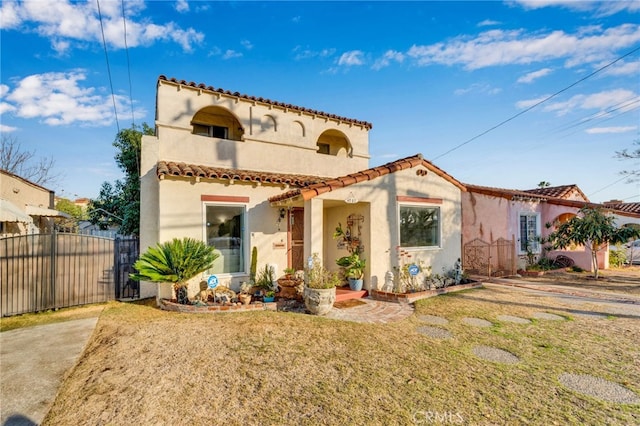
[
  {"x": 245, "y": 293},
  {"x": 354, "y": 270},
  {"x": 176, "y": 262},
  {"x": 264, "y": 281},
  {"x": 320, "y": 287}
]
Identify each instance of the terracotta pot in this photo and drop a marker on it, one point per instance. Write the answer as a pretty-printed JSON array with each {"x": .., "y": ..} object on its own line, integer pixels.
[{"x": 244, "y": 298}]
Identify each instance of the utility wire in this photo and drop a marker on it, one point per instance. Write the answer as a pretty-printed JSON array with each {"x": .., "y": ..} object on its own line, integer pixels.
[
  {"x": 537, "y": 103},
  {"x": 104, "y": 44},
  {"x": 126, "y": 48},
  {"x": 611, "y": 184}
]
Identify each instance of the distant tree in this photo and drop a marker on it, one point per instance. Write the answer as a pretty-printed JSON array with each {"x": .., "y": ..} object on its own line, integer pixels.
[
  {"x": 593, "y": 229},
  {"x": 73, "y": 210},
  {"x": 544, "y": 184},
  {"x": 118, "y": 204},
  {"x": 625, "y": 154},
  {"x": 15, "y": 159}
]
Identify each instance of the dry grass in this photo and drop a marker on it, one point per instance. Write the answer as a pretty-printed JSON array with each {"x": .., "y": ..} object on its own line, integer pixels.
[
  {"x": 146, "y": 366},
  {"x": 50, "y": 317},
  {"x": 618, "y": 280}
]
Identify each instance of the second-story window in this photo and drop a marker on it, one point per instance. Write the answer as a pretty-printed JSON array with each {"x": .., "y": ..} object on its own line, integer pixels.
[{"x": 211, "y": 131}]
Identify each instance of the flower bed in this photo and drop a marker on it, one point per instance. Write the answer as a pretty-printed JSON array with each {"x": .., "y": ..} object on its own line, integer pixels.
[
  {"x": 412, "y": 297},
  {"x": 210, "y": 307}
]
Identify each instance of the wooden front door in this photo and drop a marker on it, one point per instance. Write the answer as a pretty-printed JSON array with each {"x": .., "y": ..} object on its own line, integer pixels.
[{"x": 296, "y": 238}]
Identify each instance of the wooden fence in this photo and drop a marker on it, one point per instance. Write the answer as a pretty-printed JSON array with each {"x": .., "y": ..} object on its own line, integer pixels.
[{"x": 49, "y": 271}]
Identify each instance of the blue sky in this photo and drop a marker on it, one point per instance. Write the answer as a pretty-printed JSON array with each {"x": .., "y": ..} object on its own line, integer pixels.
[{"x": 430, "y": 76}]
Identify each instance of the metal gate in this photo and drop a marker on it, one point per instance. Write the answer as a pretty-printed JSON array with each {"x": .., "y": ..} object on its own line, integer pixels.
[
  {"x": 126, "y": 251},
  {"x": 494, "y": 259},
  {"x": 50, "y": 271}
]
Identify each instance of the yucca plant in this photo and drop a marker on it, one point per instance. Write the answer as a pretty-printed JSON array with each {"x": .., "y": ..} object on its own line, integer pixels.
[{"x": 175, "y": 261}]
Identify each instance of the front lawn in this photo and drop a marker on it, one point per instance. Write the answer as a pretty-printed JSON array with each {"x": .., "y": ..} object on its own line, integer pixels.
[{"x": 146, "y": 366}]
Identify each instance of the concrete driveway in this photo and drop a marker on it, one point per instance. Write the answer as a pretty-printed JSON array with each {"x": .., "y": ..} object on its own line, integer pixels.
[{"x": 33, "y": 363}]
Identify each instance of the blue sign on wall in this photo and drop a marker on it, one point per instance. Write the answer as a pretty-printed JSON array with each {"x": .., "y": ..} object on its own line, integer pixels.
[
  {"x": 413, "y": 270},
  {"x": 212, "y": 282}
]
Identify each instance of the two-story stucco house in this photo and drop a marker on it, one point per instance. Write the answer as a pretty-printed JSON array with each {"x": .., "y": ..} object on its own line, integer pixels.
[{"x": 240, "y": 171}]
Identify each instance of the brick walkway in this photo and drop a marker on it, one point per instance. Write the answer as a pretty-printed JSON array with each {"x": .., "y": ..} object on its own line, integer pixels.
[{"x": 373, "y": 311}]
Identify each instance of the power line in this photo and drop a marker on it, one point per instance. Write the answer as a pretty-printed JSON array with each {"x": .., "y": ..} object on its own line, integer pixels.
[
  {"x": 126, "y": 48},
  {"x": 611, "y": 184},
  {"x": 104, "y": 44},
  {"x": 537, "y": 104}
]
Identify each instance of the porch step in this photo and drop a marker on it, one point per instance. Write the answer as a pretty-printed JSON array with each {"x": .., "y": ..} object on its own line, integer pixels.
[{"x": 344, "y": 293}]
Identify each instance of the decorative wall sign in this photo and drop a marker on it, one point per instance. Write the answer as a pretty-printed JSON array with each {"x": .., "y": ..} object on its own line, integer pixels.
[{"x": 212, "y": 281}]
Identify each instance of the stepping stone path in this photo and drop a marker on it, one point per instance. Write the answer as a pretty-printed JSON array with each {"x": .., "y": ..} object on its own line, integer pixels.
[
  {"x": 511, "y": 318},
  {"x": 432, "y": 319},
  {"x": 599, "y": 388},
  {"x": 435, "y": 332},
  {"x": 547, "y": 316},
  {"x": 478, "y": 322},
  {"x": 490, "y": 353}
]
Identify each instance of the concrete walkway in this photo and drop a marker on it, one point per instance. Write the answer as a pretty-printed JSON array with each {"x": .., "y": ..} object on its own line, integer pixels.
[{"x": 33, "y": 363}]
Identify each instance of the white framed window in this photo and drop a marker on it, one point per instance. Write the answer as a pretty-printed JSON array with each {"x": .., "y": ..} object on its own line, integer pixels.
[
  {"x": 419, "y": 226},
  {"x": 529, "y": 232},
  {"x": 225, "y": 228}
]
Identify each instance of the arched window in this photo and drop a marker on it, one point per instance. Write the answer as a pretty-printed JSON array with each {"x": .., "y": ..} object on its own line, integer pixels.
[
  {"x": 216, "y": 122},
  {"x": 334, "y": 142}
]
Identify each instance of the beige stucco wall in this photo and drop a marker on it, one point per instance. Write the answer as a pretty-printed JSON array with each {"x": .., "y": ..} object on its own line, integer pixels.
[
  {"x": 21, "y": 193},
  {"x": 378, "y": 204},
  {"x": 274, "y": 139}
]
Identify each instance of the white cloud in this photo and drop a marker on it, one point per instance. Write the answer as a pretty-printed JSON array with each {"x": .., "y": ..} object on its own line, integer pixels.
[
  {"x": 301, "y": 53},
  {"x": 182, "y": 6},
  {"x": 246, "y": 44},
  {"x": 478, "y": 88},
  {"x": 351, "y": 58},
  {"x": 296, "y": 19},
  {"x": 68, "y": 24},
  {"x": 489, "y": 23},
  {"x": 600, "y": 8},
  {"x": 534, "y": 75},
  {"x": 7, "y": 129},
  {"x": 385, "y": 60},
  {"x": 623, "y": 68},
  {"x": 229, "y": 54},
  {"x": 617, "y": 99},
  {"x": 499, "y": 47},
  {"x": 604, "y": 130},
  {"x": 59, "y": 99}
]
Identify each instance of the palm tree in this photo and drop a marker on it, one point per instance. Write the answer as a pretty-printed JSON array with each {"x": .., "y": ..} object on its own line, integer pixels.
[{"x": 176, "y": 262}]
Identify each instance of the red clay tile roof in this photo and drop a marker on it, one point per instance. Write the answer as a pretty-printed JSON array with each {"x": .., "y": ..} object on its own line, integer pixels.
[
  {"x": 514, "y": 194},
  {"x": 624, "y": 207},
  {"x": 203, "y": 86},
  {"x": 562, "y": 191},
  {"x": 311, "y": 191},
  {"x": 170, "y": 168}
]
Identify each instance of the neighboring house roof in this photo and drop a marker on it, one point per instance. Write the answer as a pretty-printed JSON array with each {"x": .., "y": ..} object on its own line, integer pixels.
[
  {"x": 562, "y": 191},
  {"x": 170, "y": 168},
  {"x": 517, "y": 195},
  {"x": 624, "y": 207},
  {"x": 27, "y": 181},
  {"x": 316, "y": 189},
  {"x": 286, "y": 106}
]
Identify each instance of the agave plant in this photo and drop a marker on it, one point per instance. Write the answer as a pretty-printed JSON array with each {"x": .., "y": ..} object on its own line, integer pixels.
[{"x": 175, "y": 261}]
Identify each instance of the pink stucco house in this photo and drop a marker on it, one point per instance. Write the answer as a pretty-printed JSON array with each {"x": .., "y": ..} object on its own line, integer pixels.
[{"x": 510, "y": 222}]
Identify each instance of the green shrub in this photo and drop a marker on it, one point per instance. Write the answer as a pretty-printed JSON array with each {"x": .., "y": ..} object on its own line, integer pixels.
[{"x": 617, "y": 257}]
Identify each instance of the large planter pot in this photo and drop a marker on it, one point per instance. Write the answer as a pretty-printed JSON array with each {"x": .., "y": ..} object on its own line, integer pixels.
[
  {"x": 319, "y": 301},
  {"x": 245, "y": 298},
  {"x": 355, "y": 285}
]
